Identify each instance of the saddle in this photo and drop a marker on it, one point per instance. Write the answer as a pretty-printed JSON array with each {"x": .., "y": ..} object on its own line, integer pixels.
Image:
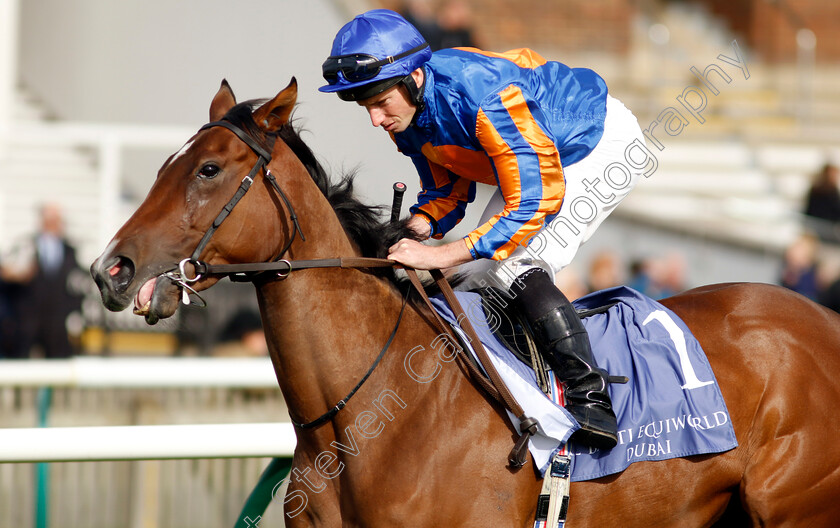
[
  {"x": 509, "y": 328},
  {"x": 658, "y": 417}
]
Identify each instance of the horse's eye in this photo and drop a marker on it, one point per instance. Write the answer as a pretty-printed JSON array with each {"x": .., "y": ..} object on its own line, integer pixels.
[{"x": 209, "y": 170}]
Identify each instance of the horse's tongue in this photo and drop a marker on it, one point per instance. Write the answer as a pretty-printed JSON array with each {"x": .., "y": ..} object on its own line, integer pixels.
[{"x": 144, "y": 297}]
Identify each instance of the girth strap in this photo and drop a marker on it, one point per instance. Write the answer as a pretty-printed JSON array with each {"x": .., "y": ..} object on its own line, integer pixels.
[{"x": 553, "y": 502}]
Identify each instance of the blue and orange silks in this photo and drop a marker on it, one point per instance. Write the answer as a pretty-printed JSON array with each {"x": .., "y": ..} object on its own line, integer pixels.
[{"x": 511, "y": 120}]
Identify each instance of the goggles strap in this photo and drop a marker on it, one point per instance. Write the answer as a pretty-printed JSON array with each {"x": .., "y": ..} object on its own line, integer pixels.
[{"x": 334, "y": 61}]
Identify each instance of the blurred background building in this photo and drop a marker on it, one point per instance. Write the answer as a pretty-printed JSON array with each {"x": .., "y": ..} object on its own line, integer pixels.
[{"x": 94, "y": 96}]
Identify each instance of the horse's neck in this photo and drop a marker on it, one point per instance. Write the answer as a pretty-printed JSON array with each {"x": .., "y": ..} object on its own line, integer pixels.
[
  {"x": 325, "y": 327},
  {"x": 322, "y": 325}
]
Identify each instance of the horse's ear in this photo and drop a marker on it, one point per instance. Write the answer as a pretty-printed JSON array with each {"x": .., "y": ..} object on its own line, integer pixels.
[
  {"x": 275, "y": 113},
  {"x": 223, "y": 101}
]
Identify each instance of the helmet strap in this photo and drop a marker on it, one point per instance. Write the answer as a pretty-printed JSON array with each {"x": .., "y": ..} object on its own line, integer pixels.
[{"x": 415, "y": 94}]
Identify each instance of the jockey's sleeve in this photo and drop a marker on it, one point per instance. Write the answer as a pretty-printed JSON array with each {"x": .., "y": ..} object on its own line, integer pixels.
[
  {"x": 512, "y": 129},
  {"x": 443, "y": 197}
]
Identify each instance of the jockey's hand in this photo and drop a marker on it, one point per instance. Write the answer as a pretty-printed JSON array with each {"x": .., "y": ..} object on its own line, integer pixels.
[
  {"x": 420, "y": 225},
  {"x": 417, "y": 255}
]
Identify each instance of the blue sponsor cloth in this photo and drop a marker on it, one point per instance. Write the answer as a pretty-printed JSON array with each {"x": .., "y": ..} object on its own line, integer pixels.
[{"x": 672, "y": 406}]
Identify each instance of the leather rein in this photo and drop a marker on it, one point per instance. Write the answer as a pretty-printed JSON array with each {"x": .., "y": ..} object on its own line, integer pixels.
[{"x": 282, "y": 268}]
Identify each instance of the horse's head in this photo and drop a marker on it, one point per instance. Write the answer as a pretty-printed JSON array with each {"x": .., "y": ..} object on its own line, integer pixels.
[{"x": 141, "y": 263}]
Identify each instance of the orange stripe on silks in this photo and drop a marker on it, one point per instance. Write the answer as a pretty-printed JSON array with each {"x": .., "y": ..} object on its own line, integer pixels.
[
  {"x": 467, "y": 163},
  {"x": 470, "y": 246},
  {"x": 517, "y": 107},
  {"x": 522, "y": 57},
  {"x": 474, "y": 235},
  {"x": 551, "y": 168},
  {"x": 439, "y": 173},
  {"x": 440, "y": 207},
  {"x": 461, "y": 189},
  {"x": 432, "y": 209},
  {"x": 507, "y": 168}
]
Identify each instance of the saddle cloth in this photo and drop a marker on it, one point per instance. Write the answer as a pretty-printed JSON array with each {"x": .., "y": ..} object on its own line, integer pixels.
[{"x": 672, "y": 407}]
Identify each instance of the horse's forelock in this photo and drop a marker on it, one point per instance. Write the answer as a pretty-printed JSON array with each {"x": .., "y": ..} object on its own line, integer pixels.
[{"x": 241, "y": 115}]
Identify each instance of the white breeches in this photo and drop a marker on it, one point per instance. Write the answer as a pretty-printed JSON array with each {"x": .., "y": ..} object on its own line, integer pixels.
[{"x": 594, "y": 187}]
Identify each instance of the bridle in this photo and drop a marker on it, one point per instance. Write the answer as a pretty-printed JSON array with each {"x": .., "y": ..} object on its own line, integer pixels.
[
  {"x": 263, "y": 159},
  {"x": 283, "y": 267},
  {"x": 245, "y": 272}
]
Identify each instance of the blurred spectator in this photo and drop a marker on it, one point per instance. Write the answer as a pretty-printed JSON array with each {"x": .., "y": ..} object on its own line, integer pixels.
[
  {"x": 455, "y": 25},
  {"x": 421, "y": 14},
  {"x": 669, "y": 277},
  {"x": 799, "y": 267},
  {"x": 243, "y": 335},
  {"x": 9, "y": 321},
  {"x": 640, "y": 277},
  {"x": 830, "y": 297},
  {"x": 658, "y": 277},
  {"x": 569, "y": 282},
  {"x": 605, "y": 271},
  {"x": 450, "y": 28},
  {"x": 829, "y": 281},
  {"x": 823, "y": 203},
  {"x": 44, "y": 269}
]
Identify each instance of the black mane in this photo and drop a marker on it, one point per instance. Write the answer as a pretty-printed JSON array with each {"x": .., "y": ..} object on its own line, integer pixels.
[{"x": 369, "y": 227}]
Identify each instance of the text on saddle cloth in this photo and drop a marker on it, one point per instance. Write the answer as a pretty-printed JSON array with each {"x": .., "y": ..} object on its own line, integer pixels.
[{"x": 672, "y": 407}]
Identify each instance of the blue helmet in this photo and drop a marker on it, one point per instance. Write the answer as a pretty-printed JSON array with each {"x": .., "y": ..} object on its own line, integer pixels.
[{"x": 373, "y": 52}]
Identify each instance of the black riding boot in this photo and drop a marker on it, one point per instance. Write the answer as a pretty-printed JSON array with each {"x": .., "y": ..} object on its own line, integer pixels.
[{"x": 564, "y": 343}]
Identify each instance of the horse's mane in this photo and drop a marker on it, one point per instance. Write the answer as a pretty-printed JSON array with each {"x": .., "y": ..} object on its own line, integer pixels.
[{"x": 367, "y": 226}]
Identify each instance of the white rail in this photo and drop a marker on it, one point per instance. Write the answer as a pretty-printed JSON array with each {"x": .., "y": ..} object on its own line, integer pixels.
[
  {"x": 96, "y": 372},
  {"x": 143, "y": 442},
  {"x": 146, "y": 442}
]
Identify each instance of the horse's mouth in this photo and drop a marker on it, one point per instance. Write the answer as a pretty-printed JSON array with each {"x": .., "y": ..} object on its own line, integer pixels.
[
  {"x": 157, "y": 299},
  {"x": 143, "y": 299}
]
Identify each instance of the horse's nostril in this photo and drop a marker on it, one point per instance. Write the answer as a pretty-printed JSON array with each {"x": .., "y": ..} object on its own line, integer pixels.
[{"x": 121, "y": 273}]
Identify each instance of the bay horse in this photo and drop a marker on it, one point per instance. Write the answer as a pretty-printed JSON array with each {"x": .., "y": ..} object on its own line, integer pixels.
[{"x": 406, "y": 453}]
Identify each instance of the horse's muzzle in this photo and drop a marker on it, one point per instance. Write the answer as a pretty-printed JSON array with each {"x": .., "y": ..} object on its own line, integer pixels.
[
  {"x": 113, "y": 276},
  {"x": 120, "y": 286}
]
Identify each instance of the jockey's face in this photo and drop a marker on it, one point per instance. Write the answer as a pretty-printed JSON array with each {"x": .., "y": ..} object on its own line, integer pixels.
[{"x": 392, "y": 109}]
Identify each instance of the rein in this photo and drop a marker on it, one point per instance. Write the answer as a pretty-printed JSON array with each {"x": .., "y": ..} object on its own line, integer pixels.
[
  {"x": 342, "y": 402},
  {"x": 283, "y": 267},
  {"x": 492, "y": 383}
]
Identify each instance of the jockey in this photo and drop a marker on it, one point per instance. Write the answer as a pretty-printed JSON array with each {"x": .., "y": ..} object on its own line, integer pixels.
[{"x": 545, "y": 134}]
